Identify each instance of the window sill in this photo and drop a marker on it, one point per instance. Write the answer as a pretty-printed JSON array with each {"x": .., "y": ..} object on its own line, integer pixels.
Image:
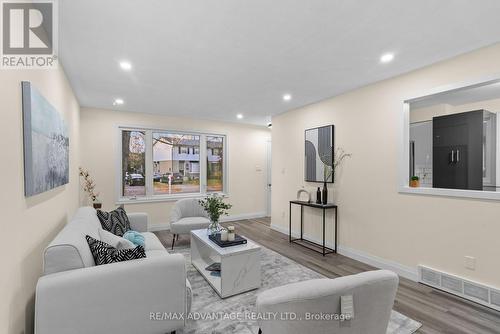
[
  {"x": 477, "y": 194},
  {"x": 166, "y": 198}
]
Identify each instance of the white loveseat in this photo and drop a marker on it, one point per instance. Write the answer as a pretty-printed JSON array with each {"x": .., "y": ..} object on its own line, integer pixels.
[{"x": 76, "y": 296}]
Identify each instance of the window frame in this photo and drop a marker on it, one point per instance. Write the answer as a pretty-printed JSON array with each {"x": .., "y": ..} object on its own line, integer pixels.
[{"x": 150, "y": 196}]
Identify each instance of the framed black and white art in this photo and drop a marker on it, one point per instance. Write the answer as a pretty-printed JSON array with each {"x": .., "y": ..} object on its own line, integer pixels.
[{"x": 319, "y": 153}]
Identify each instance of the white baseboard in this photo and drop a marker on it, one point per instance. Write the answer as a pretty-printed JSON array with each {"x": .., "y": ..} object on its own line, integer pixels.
[
  {"x": 378, "y": 262},
  {"x": 243, "y": 216},
  {"x": 231, "y": 218},
  {"x": 402, "y": 270}
]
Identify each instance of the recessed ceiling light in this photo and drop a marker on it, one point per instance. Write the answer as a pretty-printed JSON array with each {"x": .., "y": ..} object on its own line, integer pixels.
[
  {"x": 287, "y": 97},
  {"x": 118, "y": 102},
  {"x": 239, "y": 116},
  {"x": 125, "y": 65},
  {"x": 387, "y": 58}
]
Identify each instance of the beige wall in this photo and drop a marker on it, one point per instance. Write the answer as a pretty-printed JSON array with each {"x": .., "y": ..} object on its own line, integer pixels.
[
  {"x": 28, "y": 224},
  {"x": 246, "y": 151},
  {"x": 375, "y": 220}
]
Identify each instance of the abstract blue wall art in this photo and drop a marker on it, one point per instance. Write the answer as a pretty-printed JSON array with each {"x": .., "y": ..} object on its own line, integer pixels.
[
  {"x": 46, "y": 144},
  {"x": 319, "y": 146}
]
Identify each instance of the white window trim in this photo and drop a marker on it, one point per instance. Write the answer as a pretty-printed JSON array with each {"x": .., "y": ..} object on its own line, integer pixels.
[
  {"x": 150, "y": 197},
  {"x": 404, "y": 152}
]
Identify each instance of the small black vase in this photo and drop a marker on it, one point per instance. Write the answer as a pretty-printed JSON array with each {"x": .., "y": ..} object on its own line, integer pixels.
[
  {"x": 318, "y": 196},
  {"x": 325, "y": 194}
]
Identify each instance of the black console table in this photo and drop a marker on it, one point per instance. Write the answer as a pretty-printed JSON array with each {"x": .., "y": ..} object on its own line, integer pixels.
[{"x": 307, "y": 243}]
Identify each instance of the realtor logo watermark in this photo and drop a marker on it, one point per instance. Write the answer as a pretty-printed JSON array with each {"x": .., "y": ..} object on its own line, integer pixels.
[{"x": 29, "y": 34}]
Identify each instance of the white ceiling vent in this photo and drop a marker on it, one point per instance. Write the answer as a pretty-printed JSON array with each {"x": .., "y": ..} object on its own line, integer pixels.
[{"x": 456, "y": 285}]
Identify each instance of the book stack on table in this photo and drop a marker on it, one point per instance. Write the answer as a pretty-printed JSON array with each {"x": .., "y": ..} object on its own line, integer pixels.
[{"x": 238, "y": 240}]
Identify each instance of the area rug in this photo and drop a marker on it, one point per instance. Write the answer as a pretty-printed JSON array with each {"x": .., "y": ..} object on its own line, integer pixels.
[{"x": 277, "y": 270}]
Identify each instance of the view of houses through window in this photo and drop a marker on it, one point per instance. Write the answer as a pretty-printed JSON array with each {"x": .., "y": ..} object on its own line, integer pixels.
[
  {"x": 177, "y": 165},
  {"x": 215, "y": 147}
]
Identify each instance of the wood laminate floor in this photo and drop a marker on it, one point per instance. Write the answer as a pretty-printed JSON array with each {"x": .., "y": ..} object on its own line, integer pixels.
[{"x": 439, "y": 312}]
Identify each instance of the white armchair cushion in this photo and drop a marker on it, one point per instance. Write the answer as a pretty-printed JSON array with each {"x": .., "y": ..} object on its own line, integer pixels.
[
  {"x": 185, "y": 225},
  {"x": 188, "y": 207}
]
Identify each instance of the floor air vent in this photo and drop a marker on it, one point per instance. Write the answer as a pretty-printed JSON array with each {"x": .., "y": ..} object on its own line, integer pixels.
[{"x": 476, "y": 292}]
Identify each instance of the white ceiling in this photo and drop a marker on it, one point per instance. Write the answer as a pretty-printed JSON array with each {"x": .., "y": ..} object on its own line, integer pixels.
[{"x": 214, "y": 59}]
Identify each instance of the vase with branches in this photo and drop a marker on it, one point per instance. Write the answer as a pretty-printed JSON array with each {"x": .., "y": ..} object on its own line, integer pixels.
[
  {"x": 330, "y": 166},
  {"x": 88, "y": 186},
  {"x": 215, "y": 207}
]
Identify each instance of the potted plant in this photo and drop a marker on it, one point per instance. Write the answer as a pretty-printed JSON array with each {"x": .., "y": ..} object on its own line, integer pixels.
[
  {"x": 88, "y": 186},
  {"x": 215, "y": 206},
  {"x": 414, "y": 182}
]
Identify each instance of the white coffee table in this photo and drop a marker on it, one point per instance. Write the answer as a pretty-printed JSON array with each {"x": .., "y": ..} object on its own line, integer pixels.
[{"x": 240, "y": 265}]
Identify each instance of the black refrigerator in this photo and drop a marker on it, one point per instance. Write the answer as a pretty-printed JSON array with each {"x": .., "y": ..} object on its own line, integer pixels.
[{"x": 457, "y": 151}]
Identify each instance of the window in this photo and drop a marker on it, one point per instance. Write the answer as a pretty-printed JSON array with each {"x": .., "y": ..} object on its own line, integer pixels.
[
  {"x": 176, "y": 169},
  {"x": 133, "y": 163},
  {"x": 215, "y": 145},
  {"x": 160, "y": 164}
]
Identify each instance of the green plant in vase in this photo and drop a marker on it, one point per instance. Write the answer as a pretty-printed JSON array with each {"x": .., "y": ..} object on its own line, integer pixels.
[
  {"x": 414, "y": 182},
  {"x": 215, "y": 207}
]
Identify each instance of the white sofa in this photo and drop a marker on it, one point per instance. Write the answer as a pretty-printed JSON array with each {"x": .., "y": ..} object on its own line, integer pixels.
[
  {"x": 76, "y": 296},
  {"x": 373, "y": 295}
]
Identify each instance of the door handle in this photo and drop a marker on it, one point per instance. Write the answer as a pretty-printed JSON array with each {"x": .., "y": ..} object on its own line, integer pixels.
[
  {"x": 458, "y": 156},
  {"x": 452, "y": 156}
]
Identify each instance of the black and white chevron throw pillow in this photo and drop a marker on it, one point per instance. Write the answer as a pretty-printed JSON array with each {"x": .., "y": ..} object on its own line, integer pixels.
[
  {"x": 115, "y": 221},
  {"x": 104, "y": 253}
]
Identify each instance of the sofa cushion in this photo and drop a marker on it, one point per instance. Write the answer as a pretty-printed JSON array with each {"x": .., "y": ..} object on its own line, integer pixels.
[
  {"x": 114, "y": 240},
  {"x": 156, "y": 252},
  {"x": 115, "y": 221},
  {"x": 105, "y": 254},
  {"x": 69, "y": 249},
  {"x": 186, "y": 225},
  {"x": 135, "y": 237},
  {"x": 152, "y": 242}
]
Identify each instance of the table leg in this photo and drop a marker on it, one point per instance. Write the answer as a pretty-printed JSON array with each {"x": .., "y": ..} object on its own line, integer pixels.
[
  {"x": 290, "y": 223},
  {"x": 301, "y": 222},
  {"x": 336, "y": 229},
  {"x": 323, "y": 231}
]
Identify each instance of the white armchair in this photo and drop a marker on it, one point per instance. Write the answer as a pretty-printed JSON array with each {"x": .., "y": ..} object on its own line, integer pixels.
[
  {"x": 187, "y": 215},
  {"x": 373, "y": 295}
]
